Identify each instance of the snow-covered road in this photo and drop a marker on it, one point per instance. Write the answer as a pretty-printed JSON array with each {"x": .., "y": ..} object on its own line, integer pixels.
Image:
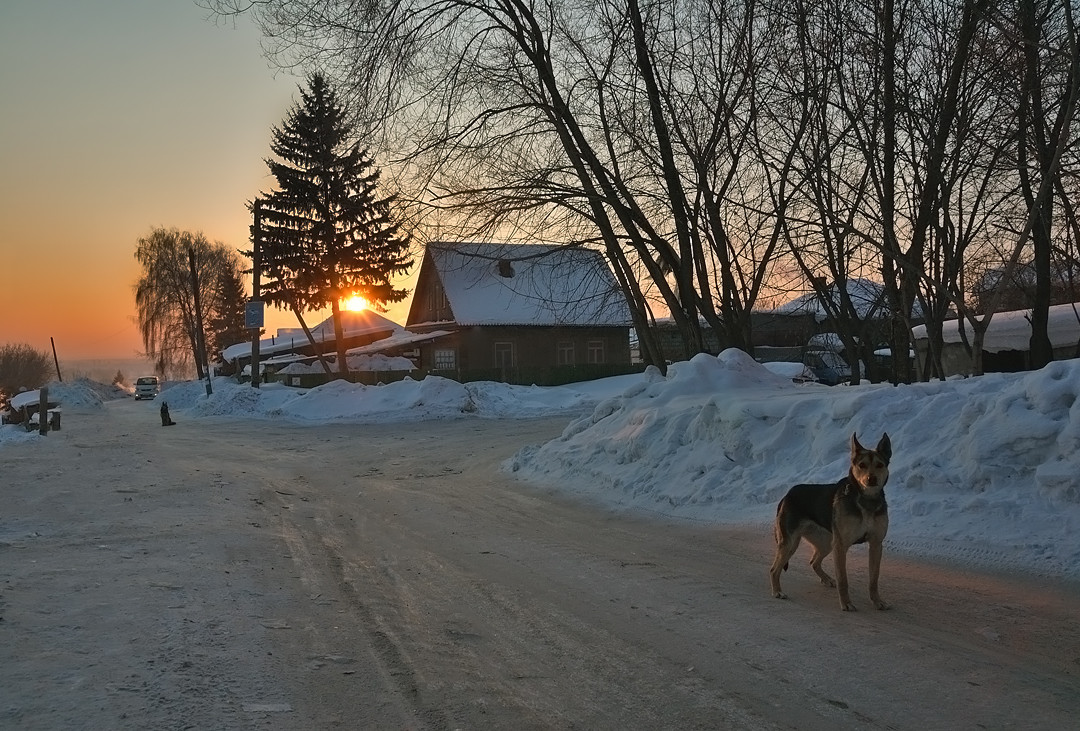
[{"x": 215, "y": 575}]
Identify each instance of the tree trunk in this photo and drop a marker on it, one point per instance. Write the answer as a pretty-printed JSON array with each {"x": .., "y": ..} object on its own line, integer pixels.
[
  {"x": 339, "y": 338},
  {"x": 1040, "y": 347},
  {"x": 311, "y": 338}
]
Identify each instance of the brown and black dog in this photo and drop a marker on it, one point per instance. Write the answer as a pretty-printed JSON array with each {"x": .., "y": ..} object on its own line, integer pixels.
[
  {"x": 832, "y": 518},
  {"x": 166, "y": 419}
]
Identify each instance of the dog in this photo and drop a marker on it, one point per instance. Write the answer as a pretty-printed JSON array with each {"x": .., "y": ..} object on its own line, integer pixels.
[
  {"x": 832, "y": 518},
  {"x": 166, "y": 420}
]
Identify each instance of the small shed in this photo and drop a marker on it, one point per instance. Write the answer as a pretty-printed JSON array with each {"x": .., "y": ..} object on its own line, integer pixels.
[{"x": 360, "y": 328}]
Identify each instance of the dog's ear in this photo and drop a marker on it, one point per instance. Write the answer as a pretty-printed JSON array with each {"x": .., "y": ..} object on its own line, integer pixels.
[
  {"x": 855, "y": 446},
  {"x": 884, "y": 447}
]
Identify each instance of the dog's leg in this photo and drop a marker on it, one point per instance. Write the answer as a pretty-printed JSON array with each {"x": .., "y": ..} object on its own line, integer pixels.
[
  {"x": 840, "y": 550},
  {"x": 875, "y": 571},
  {"x": 786, "y": 546},
  {"x": 822, "y": 542}
]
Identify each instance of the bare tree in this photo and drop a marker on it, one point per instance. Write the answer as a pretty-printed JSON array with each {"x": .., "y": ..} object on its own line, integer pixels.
[
  {"x": 22, "y": 367},
  {"x": 165, "y": 296},
  {"x": 1048, "y": 98},
  {"x": 614, "y": 125},
  {"x": 689, "y": 139},
  {"x": 1040, "y": 42}
]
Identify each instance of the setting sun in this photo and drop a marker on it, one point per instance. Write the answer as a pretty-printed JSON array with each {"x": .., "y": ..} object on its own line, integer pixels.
[{"x": 355, "y": 304}]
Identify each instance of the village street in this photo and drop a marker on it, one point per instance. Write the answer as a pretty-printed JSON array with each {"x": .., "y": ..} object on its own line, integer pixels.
[{"x": 225, "y": 574}]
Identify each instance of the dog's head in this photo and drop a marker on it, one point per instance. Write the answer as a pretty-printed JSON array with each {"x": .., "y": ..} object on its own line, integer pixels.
[{"x": 870, "y": 467}]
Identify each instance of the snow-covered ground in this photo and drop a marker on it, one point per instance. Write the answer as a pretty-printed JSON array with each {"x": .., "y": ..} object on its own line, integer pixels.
[{"x": 985, "y": 470}]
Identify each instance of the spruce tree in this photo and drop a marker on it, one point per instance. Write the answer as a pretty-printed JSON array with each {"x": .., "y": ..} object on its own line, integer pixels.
[{"x": 326, "y": 233}]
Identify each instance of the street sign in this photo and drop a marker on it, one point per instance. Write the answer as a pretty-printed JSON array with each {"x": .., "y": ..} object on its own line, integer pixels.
[{"x": 253, "y": 315}]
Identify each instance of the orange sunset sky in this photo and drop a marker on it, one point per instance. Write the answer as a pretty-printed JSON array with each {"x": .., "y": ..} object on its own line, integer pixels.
[{"x": 120, "y": 116}]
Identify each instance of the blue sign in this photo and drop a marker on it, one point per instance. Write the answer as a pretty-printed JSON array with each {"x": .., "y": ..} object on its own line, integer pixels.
[{"x": 253, "y": 315}]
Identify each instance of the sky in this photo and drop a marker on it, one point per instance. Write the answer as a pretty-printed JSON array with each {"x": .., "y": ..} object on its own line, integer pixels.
[
  {"x": 983, "y": 470},
  {"x": 118, "y": 117}
]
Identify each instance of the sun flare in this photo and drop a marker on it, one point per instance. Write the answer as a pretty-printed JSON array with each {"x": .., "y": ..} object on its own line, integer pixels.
[{"x": 355, "y": 304}]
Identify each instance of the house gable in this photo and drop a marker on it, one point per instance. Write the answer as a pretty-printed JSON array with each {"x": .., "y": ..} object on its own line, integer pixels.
[
  {"x": 429, "y": 302},
  {"x": 516, "y": 284}
]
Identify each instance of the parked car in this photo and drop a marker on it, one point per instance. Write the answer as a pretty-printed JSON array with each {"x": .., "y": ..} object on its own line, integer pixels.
[
  {"x": 147, "y": 387},
  {"x": 828, "y": 367},
  {"x": 824, "y": 355}
]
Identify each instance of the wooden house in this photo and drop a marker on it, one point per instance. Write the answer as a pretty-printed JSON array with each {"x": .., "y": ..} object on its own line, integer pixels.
[{"x": 519, "y": 313}]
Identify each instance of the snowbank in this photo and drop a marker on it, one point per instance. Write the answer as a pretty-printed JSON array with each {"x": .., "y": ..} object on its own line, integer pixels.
[{"x": 986, "y": 467}]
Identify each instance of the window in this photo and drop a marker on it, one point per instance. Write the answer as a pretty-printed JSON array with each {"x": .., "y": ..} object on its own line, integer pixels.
[
  {"x": 564, "y": 353},
  {"x": 504, "y": 355},
  {"x": 445, "y": 360},
  {"x": 595, "y": 350}
]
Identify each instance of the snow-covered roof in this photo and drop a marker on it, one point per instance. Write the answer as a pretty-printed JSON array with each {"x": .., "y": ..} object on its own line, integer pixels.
[
  {"x": 354, "y": 324},
  {"x": 528, "y": 284},
  {"x": 866, "y": 296},
  {"x": 1012, "y": 330},
  {"x": 397, "y": 340},
  {"x": 26, "y": 398},
  {"x": 373, "y": 362}
]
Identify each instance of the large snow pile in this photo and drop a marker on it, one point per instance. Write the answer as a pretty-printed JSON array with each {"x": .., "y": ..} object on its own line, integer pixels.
[
  {"x": 81, "y": 394},
  {"x": 84, "y": 393},
  {"x": 406, "y": 400},
  {"x": 982, "y": 466}
]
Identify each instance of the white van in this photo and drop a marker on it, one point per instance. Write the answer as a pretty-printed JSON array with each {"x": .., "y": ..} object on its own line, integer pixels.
[{"x": 147, "y": 387}]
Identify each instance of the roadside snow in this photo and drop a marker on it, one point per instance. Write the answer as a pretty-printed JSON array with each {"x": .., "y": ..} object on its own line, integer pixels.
[
  {"x": 406, "y": 400},
  {"x": 983, "y": 468}
]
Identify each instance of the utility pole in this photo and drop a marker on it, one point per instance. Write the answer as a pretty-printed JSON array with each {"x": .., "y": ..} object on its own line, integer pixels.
[
  {"x": 56, "y": 361},
  {"x": 256, "y": 262}
]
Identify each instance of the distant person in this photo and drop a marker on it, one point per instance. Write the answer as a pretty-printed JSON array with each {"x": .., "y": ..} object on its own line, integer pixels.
[{"x": 166, "y": 420}]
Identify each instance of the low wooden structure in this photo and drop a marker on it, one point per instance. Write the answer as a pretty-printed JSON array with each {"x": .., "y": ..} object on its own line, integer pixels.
[{"x": 1005, "y": 347}]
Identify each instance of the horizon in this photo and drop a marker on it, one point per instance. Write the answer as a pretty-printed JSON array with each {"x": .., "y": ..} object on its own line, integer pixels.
[
  {"x": 113, "y": 126},
  {"x": 103, "y": 370}
]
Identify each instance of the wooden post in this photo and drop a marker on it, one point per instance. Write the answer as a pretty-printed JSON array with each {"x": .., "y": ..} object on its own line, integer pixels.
[
  {"x": 43, "y": 411},
  {"x": 256, "y": 284}
]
